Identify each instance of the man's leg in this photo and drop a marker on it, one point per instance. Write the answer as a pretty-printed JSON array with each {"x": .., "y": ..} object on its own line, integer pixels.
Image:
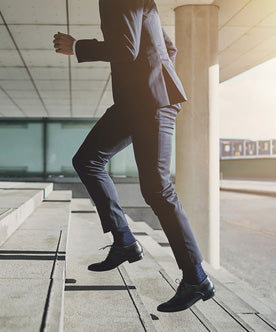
[
  {"x": 152, "y": 143},
  {"x": 108, "y": 136}
]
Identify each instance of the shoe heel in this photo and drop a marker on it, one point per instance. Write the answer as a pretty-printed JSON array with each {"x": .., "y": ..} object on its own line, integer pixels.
[
  {"x": 137, "y": 258},
  {"x": 209, "y": 295}
]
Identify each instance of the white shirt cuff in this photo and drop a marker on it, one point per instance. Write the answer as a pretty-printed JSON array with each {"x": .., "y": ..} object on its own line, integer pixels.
[{"x": 74, "y": 47}]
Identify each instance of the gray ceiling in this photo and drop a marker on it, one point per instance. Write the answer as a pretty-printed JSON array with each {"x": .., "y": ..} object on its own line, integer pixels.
[{"x": 37, "y": 82}]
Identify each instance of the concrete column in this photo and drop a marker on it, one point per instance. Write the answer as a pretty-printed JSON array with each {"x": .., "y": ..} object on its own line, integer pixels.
[{"x": 197, "y": 124}]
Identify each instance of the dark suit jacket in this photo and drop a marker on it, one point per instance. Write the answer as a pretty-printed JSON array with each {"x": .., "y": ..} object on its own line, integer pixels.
[{"x": 140, "y": 53}]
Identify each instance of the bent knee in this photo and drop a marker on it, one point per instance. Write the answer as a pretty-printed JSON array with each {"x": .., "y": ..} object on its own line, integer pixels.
[{"x": 81, "y": 162}]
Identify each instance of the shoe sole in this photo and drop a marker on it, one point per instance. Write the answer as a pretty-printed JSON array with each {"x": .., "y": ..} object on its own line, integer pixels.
[
  {"x": 204, "y": 298},
  {"x": 209, "y": 296},
  {"x": 137, "y": 258},
  {"x": 130, "y": 260}
]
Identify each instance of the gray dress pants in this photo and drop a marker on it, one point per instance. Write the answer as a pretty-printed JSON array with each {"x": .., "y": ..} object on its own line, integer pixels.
[{"x": 150, "y": 132}]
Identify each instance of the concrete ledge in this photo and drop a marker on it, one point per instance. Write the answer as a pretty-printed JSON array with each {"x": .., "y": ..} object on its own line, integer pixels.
[
  {"x": 36, "y": 253},
  {"x": 267, "y": 188},
  {"x": 19, "y": 205},
  {"x": 17, "y": 201},
  {"x": 47, "y": 187}
]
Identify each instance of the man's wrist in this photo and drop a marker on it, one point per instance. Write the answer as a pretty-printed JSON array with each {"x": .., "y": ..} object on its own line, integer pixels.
[{"x": 74, "y": 47}]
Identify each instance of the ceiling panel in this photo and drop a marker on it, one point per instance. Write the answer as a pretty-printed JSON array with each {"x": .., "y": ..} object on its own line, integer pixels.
[
  {"x": 49, "y": 73},
  {"x": 44, "y": 58},
  {"x": 12, "y": 113},
  {"x": 32, "y": 110},
  {"x": 109, "y": 85},
  {"x": 86, "y": 32},
  {"x": 270, "y": 21},
  {"x": 6, "y": 41},
  {"x": 52, "y": 84},
  {"x": 59, "y": 111},
  {"x": 58, "y": 102},
  {"x": 227, "y": 9},
  {"x": 32, "y": 101},
  {"x": 84, "y": 12},
  {"x": 253, "y": 12},
  {"x": 5, "y": 100},
  {"x": 55, "y": 94},
  {"x": 88, "y": 84},
  {"x": 7, "y": 107},
  {"x": 35, "y": 36},
  {"x": 10, "y": 58},
  {"x": 35, "y": 114},
  {"x": 84, "y": 94},
  {"x": 107, "y": 99},
  {"x": 263, "y": 52},
  {"x": 84, "y": 114},
  {"x": 38, "y": 11},
  {"x": 16, "y": 84},
  {"x": 245, "y": 43},
  {"x": 85, "y": 110},
  {"x": 228, "y": 34},
  {"x": 88, "y": 73},
  {"x": 13, "y": 73},
  {"x": 101, "y": 110},
  {"x": 23, "y": 94}
]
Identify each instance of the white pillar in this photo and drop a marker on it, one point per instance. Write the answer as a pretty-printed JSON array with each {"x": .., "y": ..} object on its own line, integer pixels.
[{"x": 197, "y": 124}]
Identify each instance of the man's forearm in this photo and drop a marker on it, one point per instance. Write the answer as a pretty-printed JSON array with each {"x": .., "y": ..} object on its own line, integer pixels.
[{"x": 91, "y": 50}]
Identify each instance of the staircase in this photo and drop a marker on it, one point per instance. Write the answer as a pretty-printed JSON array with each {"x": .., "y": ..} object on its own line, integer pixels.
[{"x": 47, "y": 241}]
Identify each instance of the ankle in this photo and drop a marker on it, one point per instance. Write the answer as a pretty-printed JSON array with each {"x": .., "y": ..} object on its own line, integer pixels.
[
  {"x": 123, "y": 236},
  {"x": 194, "y": 274}
]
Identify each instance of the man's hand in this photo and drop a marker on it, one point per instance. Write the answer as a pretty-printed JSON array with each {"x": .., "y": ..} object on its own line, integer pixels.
[{"x": 63, "y": 43}]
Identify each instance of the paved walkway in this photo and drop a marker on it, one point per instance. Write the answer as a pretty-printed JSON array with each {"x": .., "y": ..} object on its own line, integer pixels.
[{"x": 248, "y": 240}]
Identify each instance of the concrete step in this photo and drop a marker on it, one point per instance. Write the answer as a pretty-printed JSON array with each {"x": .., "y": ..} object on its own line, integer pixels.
[
  {"x": 47, "y": 187},
  {"x": 32, "y": 274},
  {"x": 125, "y": 299},
  {"x": 153, "y": 288},
  {"x": 17, "y": 201},
  {"x": 98, "y": 301},
  {"x": 234, "y": 300}
]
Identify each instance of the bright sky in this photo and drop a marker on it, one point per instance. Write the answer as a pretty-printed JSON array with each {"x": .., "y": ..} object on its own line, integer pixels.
[{"x": 248, "y": 104}]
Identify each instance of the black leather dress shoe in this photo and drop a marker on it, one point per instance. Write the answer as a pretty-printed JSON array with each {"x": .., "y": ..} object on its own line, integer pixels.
[
  {"x": 117, "y": 255},
  {"x": 187, "y": 294}
]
